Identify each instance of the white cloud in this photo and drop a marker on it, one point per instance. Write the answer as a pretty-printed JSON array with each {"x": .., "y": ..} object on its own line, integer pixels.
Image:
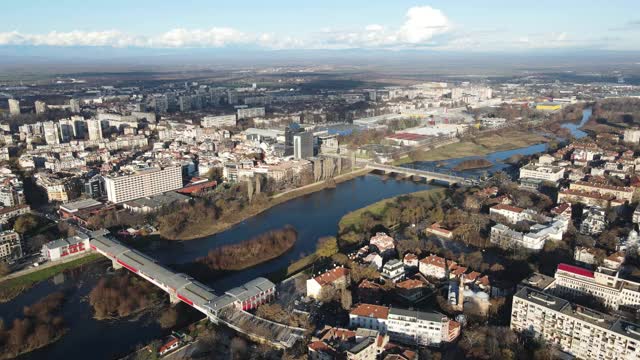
[
  {"x": 422, "y": 27},
  {"x": 214, "y": 37},
  {"x": 422, "y": 24}
]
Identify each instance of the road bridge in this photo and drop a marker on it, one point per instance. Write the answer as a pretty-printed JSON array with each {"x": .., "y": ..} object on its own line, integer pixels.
[{"x": 427, "y": 175}]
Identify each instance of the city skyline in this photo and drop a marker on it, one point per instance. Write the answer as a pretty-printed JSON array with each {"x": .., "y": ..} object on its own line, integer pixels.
[{"x": 400, "y": 25}]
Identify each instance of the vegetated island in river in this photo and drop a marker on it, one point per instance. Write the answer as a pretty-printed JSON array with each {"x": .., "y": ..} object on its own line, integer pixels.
[
  {"x": 123, "y": 295},
  {"x": 473, "y": 164},
  {"x": 40, "y": 326},
  {"x": 246, "y": 254}
]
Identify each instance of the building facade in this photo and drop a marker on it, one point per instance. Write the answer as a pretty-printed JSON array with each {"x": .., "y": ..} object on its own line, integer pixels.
[
  {"x": 10, "y": 246},
  {"x": 144, "y": 182},
  {"x": 576, "y": 330}
]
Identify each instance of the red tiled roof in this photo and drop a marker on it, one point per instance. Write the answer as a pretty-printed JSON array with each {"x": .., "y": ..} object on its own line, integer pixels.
[
  {"x": 507, "y": 208},
  {"x": 319, "y": 346},
  {"x": 197, "y": 187},
  {"x": 371, "y": 311},
  {"x": 332, "y": 275},
  {"x": 410, "y": 284},
  {"x": 575, "y": 270}
]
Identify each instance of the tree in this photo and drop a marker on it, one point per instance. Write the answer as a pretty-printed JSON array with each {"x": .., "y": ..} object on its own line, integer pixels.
[
  {"x": 327, "y": 246},
  {"x": 346, "y": 299},
  {"x": 4, "y": 269},
  {"x": 238, "y": 348},
  {"x": 169, "y": 318},
  {"x": 25, "y": 223},
  {"x": 215, "y": 174}
]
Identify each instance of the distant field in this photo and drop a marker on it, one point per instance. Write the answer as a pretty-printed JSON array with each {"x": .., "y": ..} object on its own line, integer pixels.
[{"x": 483, "y": 145}]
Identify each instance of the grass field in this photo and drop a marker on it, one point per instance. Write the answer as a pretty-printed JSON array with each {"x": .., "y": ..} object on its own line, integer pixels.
[
  {"x": 482, "y": 145},
  {"x": 13, "y": 287},
  {"x": 354, "y": 218}
]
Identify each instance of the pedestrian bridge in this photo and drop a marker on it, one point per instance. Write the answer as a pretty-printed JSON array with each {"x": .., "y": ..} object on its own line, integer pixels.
[
  {"x": 427, "y": 175},
  {"x": 227, "y": 309}
]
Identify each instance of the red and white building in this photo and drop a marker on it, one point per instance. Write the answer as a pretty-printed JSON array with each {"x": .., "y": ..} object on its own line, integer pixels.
[
  {"x": 513, "y": 214},
  {"x": 437, "y": 230},
  {"x": 336, "y": 278},
  {"x": 61, "y": 248},
  {"x": 253, "y": 294},
  {"x": 405, "y": 326},
  {"x": 603, "y": 284},
  {"x": 435, "y": 266}
]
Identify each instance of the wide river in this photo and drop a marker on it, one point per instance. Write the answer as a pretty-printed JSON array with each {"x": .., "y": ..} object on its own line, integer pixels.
[{"x": 314, "y": 216}]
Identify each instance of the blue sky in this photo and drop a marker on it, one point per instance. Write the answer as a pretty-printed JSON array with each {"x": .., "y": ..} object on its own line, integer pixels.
[{"x": 327, "y": 24}]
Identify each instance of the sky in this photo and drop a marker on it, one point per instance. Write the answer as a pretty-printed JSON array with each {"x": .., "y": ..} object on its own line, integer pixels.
[{"x": 452, "y": 25}]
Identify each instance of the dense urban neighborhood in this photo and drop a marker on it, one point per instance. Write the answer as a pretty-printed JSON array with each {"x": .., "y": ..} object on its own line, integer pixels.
[{"x": 518, "y": 239}]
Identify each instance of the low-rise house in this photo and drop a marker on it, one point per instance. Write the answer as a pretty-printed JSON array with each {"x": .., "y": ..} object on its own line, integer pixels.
[
  {"x": 410, "y": 261},
  {"x": 437, "y": 230},
  {"x": 393, "y": 270},
  {"x": 59, "y": 249},
  {"x": 594, "y": 221},
  {"x": 413, "y": 290},
  {"x": 585, "y": 255},
  {"x": 10, "y": 246},
  {"x": 337, "y": 278},
  {"x": 406, "y": 326},
  {"x": 435, "y": 267},
  {"x": 384, "y": 243}
]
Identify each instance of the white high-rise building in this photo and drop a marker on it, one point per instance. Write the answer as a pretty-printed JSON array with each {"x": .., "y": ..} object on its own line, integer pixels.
[
  {"x": 67, "y": 130},
  {"x": 51, "y": 133},
  {"x": 218, "y": 121},
  {"x": 303, "y": 145},
  {"x": 576, "y": 330},
  {"x": 139, "y": 183},
  {"x": 41, "y": 107},
  {"x": 14, "y": 107},
  {"x": 94, "y": 127},
  {"x": 245, "y": 113},
  {"x": 74, "y": 105}
]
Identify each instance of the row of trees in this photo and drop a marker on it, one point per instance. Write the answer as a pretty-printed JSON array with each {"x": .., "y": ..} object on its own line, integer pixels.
[{"x": 40, "y": 326}]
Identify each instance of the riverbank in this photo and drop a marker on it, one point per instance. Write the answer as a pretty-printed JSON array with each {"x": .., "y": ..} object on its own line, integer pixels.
[
  {"x": 481, "y": 145},
  {"x": 354, "y": 221},
  {"x": 213, "y": 228},
  {"x": 473, "y": 164},
  {"x": 14, "y": 284}
]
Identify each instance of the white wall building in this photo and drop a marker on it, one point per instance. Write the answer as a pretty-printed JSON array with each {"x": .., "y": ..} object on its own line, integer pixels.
[
  {"x": 542, "y": 172},
  {"x": 576, "y": 330},
  {"x": 405, "y": 326},
  {"x": 142, "y": 182}
]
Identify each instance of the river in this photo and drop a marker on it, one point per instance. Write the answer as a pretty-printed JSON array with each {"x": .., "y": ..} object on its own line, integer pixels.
[
  {"x": 497, "y": 158},
  {"x": 314, "y": 216}
]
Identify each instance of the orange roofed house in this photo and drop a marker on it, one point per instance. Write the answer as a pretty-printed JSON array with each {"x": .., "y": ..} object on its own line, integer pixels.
[
  {"x": 337, "y": 278},
  {"x": 406, "y": 326}
]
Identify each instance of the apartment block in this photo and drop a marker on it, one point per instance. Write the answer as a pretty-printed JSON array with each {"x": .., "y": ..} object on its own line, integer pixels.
[
  {"x": 576, "y": 330},
  {"x": 542, "y": 172},
  {"x": 10, "y": 246},
  {"x": 142, "y": 182},
  {"x": 406, "y": 326},
  {"x": 603, "y": 284}
]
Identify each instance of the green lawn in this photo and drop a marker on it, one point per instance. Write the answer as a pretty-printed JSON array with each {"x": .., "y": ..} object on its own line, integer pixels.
[
  {"x": 511, "y": 139},
  {"x": 377, "y": 209}
]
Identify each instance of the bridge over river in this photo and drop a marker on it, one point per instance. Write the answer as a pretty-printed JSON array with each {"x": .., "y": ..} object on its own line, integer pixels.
[
  {"x": 427, "y": 175},
  {"x": 228, "y": 309}
]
